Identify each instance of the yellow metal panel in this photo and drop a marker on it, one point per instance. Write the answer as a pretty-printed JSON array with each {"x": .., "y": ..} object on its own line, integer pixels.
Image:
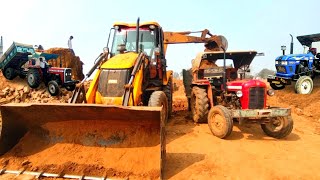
[
  {"x": 135, "y": 24},
  {"x": 90, "y": 95},
  {"x": 169, "y": 75},
  {"x": 121, "y": 61}
]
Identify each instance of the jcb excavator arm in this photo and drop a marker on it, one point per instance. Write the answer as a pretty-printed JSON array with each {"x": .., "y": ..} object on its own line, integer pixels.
[{"x": 212, "y": 42}]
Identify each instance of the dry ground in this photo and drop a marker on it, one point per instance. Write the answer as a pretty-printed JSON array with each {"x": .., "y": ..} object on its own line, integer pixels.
[{"x": 194, "y": 153}]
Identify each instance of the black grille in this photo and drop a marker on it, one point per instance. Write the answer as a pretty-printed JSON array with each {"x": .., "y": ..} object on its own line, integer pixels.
[
  {"x": 68, "y": 75},
  {"x": 281, "y": 69},
  {"x": 256, "y": 98}
]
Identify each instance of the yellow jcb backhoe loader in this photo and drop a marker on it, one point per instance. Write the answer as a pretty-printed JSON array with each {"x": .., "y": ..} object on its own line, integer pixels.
[{"x": 114, "y": 129}]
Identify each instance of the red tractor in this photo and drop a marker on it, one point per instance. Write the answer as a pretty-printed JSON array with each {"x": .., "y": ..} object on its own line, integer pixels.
[
  {"x": 53, "y": 77},
  {"x": 219, "y": 94}
]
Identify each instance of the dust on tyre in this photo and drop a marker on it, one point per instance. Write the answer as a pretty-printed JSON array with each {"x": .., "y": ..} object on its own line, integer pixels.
[
  {"x": 33, "y": 78},
  {"x": 199, "y": 105},
  {"x": 9, "y": 73},
  {"x": 278, "y": 127},
  {"x": 220, "y": 121},
  {"x": 304, "y": 85},
  {"x": 53, "y": 88},
  {"x": 277, "y": 86},
  {"x": 158, "y": 99}
]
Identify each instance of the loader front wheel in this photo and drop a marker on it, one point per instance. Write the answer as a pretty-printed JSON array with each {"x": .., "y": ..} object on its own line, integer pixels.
[
  {"x": 158, "y": 99},
  {"x": 199, "y": 105},
  {"x": 220, "y": 121},
  {"x": 33, "y": 78},
  {"x": 304, "y": 85},
  {"x": 53, "y": 88},
  {"x": 279, "y": 127}
]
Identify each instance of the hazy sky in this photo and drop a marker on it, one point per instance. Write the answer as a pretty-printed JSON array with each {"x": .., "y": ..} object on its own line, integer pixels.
[{"x": 248, "y": 24}]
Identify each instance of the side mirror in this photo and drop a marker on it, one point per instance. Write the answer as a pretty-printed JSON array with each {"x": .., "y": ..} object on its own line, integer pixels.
[{"x": 106, "y": 49}]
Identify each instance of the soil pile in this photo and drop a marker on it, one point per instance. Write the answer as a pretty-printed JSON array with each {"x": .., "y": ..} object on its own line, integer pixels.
[{"x": 67, "y": 59}]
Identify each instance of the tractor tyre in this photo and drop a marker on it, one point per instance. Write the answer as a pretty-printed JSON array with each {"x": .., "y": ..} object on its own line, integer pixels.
[
  {"x": 158, "y": 99},
  {"x": 220, "y": 121},
  {"x": 53, "y": 88},
  {"x": 168, "y": 91},
  {"x": 9, "y": 73},
  {"x": 277, "y": 86},
  {"x": 33, "y": 78},
  {"x": 71, "y": 87},
  {"x": 304, "y": 85},
  {"x": 199, "y": 105},
  {"x": 279, "y": 127}
]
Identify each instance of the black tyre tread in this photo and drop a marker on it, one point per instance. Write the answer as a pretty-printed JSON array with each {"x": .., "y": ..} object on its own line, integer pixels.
[
  {"x": 187, "y": 80},
  {"x": 282, "y": 133},
  {"x": 156, "y": 99},
  {"x": 299, "y": 81},
  {"x": 200, "y": 113},
  {"x": 9, "y": 73},
  {"x": 37, "y": 76},
  {"x": 227, "y": 116},
  {"x": 276, "y": 87},
  {"x": 54, "y": 83},
  {"x": 168, "y": 91}
]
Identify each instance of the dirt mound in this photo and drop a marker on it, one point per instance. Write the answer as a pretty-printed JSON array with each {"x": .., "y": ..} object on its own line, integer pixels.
[{"x": 67, "y": 59}]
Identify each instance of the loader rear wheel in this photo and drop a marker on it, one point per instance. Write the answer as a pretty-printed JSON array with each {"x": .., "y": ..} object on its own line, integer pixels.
[
  {"x": 168, "y": 91},
  {"x": 9, "y": 73},
  {"x": 279, "y": 127},
  {"x": 277, "y": 86},
  {"x": 33, "y": 78},
  {"x": 53, "y": 88},
  {"x": 304, "y": 85},
  {"x": 158, "y": 99},
  {"x": 220, "y": 121},
  {"x": 199, "y": 105}
]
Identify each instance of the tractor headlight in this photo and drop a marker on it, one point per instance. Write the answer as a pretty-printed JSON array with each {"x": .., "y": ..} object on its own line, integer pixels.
[
  {"x": 277, "y": 62},
  {"x": 239, "y": 93},
  {"x": 284, "y": 63},
  {"x": 270, "y": 92}
]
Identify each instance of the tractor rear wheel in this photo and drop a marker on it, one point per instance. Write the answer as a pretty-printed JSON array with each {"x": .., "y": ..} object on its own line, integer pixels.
[
  {"x": 158, "y": 99},
  {"x": 33, "y": 78},
  {"x": 199, "y": 104},
  {"x": 277, "y": 86},
  {"x": 220, "y": 121},
  {"x": 168, "y": 91},
  {"x": 9, "y": 73},
  {"x": 53, "y": 88},
  {"x": 279, "y": 127},
  {"x": 304, "y": 85}
]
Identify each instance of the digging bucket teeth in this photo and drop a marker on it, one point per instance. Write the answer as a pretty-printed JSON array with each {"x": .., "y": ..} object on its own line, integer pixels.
[{"x": 135, "y": 134}]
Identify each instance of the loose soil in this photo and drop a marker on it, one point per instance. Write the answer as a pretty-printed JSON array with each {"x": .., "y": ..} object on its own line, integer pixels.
[{"x": 192, "y": 151}]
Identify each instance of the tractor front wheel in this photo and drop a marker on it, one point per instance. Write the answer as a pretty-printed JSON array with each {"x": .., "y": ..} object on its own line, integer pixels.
[
  {"x": 53, "y": 88},
  {"x": 279, "y": 127},
  {"x": 220, "y": 121},
  {"x": 158, "y": 99},
  {"x": 304, "y": 85},
  {"x": 71, "y": 87}
]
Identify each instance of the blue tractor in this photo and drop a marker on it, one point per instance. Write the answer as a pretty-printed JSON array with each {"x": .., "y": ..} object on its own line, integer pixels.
[{"x": 298, "y": 68}]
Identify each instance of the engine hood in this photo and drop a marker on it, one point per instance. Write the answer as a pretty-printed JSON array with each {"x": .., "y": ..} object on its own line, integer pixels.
[
  {"x": 121, "y": 61},
  {"x": 245, "y": 84},
  {"x": 296, "y": 57}
]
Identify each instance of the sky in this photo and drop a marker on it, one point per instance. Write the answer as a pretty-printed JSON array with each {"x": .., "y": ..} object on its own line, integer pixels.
[{"x": 247, "y": 24}]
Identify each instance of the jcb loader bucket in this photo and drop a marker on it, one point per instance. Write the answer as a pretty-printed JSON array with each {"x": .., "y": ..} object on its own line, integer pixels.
[{"x": 83, "y": 139}]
